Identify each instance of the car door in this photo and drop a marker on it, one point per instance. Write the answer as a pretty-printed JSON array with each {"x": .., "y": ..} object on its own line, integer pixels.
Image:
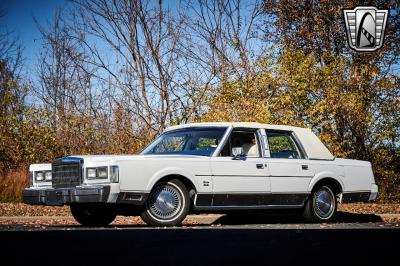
[
  {"x": 238, "y": 181},
  {"x": 289, "y": 169}
]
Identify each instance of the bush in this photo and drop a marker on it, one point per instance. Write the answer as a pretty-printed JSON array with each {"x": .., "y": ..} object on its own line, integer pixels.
[{"x": 12, "y": 183}]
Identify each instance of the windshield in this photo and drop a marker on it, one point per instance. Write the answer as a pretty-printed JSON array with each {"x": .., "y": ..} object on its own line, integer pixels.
[{"x": 189, "y": 141}]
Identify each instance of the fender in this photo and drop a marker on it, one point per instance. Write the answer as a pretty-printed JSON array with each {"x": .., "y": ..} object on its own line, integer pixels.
[
  {"x": 325, "y": 174},
  {"x": 171, "y": 171}
]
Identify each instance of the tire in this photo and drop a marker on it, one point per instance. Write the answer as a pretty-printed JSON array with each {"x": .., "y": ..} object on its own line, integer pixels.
[
  {"x": 167, "y": 205},
  {"x": 93, "y": 214},
  {"x": 321, "y": 206}
]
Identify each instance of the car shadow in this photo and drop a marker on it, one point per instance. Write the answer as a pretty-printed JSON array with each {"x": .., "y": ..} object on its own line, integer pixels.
[
  {"x": 253, "y": 218},
  {"x": 279, "y": 218}
]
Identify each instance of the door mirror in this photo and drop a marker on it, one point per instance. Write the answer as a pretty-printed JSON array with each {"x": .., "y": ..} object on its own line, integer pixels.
[{"x": 237, "y": 152}]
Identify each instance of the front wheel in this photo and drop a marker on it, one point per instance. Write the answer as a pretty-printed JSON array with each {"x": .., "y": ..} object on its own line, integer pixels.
[
  {"x": 321, "y": 206},
  {"x": 93, "y": 214},
  {"x": 167, "y": 205}
]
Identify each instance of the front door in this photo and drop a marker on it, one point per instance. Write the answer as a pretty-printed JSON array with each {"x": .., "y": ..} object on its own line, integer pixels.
[{"x": 240, "y": 180}]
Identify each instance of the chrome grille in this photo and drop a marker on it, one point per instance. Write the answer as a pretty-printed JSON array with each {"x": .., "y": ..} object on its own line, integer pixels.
[{"x": 67, "y": 172}]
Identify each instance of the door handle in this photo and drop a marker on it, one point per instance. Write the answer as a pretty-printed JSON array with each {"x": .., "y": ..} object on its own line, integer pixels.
[
  {"x": 260, "y": 166},
  {"x": 304, "y": 167}
]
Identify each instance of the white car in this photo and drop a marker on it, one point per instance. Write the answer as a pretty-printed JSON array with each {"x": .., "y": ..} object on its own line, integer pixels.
[{"x": 206, "y": 167}]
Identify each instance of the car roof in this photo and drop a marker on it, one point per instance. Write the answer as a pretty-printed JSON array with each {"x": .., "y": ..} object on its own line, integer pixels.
[
  {"x": 313, "y": 146},
  {"x": 234, "y": 124}
]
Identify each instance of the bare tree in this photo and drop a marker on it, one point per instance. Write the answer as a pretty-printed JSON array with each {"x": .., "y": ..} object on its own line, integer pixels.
[
  {"x": 142, "y": 59},
  {"x": 66, "y": 87},
  {"x": 145, "y": 60},
  {"x": 12, "y": 95},
  {"x": 10, "y": 48},
  {"x": 227, "y": 33}
]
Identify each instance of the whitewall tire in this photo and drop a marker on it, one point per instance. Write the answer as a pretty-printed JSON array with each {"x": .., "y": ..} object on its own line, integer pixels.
[{"x": 167, "y": 204}]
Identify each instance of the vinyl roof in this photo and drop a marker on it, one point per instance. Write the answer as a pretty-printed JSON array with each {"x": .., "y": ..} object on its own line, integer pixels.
[
  {"x": 233, "y": 124},
  {"x": 313, "y": 146}
]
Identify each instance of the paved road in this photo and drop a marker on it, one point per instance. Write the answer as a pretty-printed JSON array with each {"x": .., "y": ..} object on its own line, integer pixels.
[
  {"x": 219, "y": 240},
  {"x": 229, "y": 244}
]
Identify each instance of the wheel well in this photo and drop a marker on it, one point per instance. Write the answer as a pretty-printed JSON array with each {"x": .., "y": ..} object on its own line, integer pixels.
[
  {"x": 188, "y": 184},
  {"x": 332, "y": 183}
]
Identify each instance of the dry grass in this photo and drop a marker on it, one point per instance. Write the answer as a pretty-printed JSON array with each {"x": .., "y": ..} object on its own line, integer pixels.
[
  {"x": 370, "y": 208},
  {"x": 12, "y": 183},
  {"x": 21, "y": 209}
]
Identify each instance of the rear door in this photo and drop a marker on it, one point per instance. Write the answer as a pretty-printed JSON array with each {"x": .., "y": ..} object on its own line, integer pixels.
[{"x": 289, "y": 169}]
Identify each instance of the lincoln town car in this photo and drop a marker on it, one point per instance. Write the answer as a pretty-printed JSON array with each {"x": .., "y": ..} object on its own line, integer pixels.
[{"x": 206, "y": 167}]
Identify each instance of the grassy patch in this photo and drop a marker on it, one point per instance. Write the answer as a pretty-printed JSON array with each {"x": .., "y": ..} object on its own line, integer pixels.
[{"x": 12, "y": 183}]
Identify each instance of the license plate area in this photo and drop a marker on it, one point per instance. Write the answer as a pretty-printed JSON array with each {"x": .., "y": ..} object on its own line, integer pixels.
[{"x": 54, "y": 197}]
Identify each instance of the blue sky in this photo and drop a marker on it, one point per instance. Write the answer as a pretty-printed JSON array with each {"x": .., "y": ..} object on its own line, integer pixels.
[
  {"x": 19, "y": 19},
  {"x": 19, "y": 16}
]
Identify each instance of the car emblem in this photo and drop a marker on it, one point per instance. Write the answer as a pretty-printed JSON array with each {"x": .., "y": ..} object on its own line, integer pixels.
[{"x": 365, "y": 27}]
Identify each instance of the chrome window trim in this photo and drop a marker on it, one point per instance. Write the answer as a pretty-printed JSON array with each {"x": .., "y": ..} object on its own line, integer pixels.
[{"x": 223, "y": 141}]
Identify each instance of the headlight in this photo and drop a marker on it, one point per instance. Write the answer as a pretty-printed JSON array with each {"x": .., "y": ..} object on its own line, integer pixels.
[
  {"x": 47, "y": 176},
  {"x": 91, "y": 173},
  {"x": 39, "y": 176},
  {"x": 43, "y": 176},
  {"x": 97, "y": 173},
  {"x": 114, "y": 174},
  {"x": 102, "y": 172}
]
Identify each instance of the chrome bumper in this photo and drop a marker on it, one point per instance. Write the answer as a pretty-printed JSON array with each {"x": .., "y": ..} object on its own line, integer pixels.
[
  {"x": 61, "y": 196},
  {"x": 374, "y": 192}
]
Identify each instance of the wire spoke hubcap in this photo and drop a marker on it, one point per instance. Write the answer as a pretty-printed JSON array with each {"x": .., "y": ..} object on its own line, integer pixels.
[
  {"x": 323, "y": 203},
  {"x": 165, "y": 202}
]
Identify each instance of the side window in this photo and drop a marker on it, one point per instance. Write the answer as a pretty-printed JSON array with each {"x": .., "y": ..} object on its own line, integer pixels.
[
  {"x": 206, "y": 143},
  {"x": 282, "y": 145},
  {"x": 245, "y": 139}
]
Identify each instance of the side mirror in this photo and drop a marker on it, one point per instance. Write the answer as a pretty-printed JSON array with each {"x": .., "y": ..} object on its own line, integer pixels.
[{"x": 237, "y": 153}]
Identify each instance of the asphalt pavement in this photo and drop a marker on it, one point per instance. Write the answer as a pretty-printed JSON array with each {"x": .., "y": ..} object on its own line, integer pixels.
[{"x": 227, "y": 241}]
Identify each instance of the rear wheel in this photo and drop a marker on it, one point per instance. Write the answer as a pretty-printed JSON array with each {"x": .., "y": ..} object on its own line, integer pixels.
[
  {"x": 167, "y": 205},
  {"x": 93, "y": 214},
  {"x": 321, "y": 206}
]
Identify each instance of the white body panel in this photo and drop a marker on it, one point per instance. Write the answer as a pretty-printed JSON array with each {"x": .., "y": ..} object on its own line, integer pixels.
[
  {"x": 287, "y": 175},
  {"x": 140, "y": 173},
  {"x": 239, "y": 176}
]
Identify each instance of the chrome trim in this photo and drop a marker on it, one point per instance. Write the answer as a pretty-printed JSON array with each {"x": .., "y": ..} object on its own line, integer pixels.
[
  {"x": 223, "y": 141},
  {"x": 260, "y": 142},
  {"x": 356, "y": 191},
  {"x": 251, "y": 207},
  {"x": 265, "y": 148},
  {"x": 253, "y": 192}
]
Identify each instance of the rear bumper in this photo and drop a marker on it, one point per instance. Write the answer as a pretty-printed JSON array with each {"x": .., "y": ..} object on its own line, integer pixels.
[
  {"x": 374, "y": 192},
  {"x": 361, "y": 196},
  {"x": 61, "y": 196},
  {"x": 356, "y": 197}
]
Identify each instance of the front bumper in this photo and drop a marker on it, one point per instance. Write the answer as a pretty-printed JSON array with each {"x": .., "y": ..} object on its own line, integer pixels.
[{"x": 61, "y": 196}]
